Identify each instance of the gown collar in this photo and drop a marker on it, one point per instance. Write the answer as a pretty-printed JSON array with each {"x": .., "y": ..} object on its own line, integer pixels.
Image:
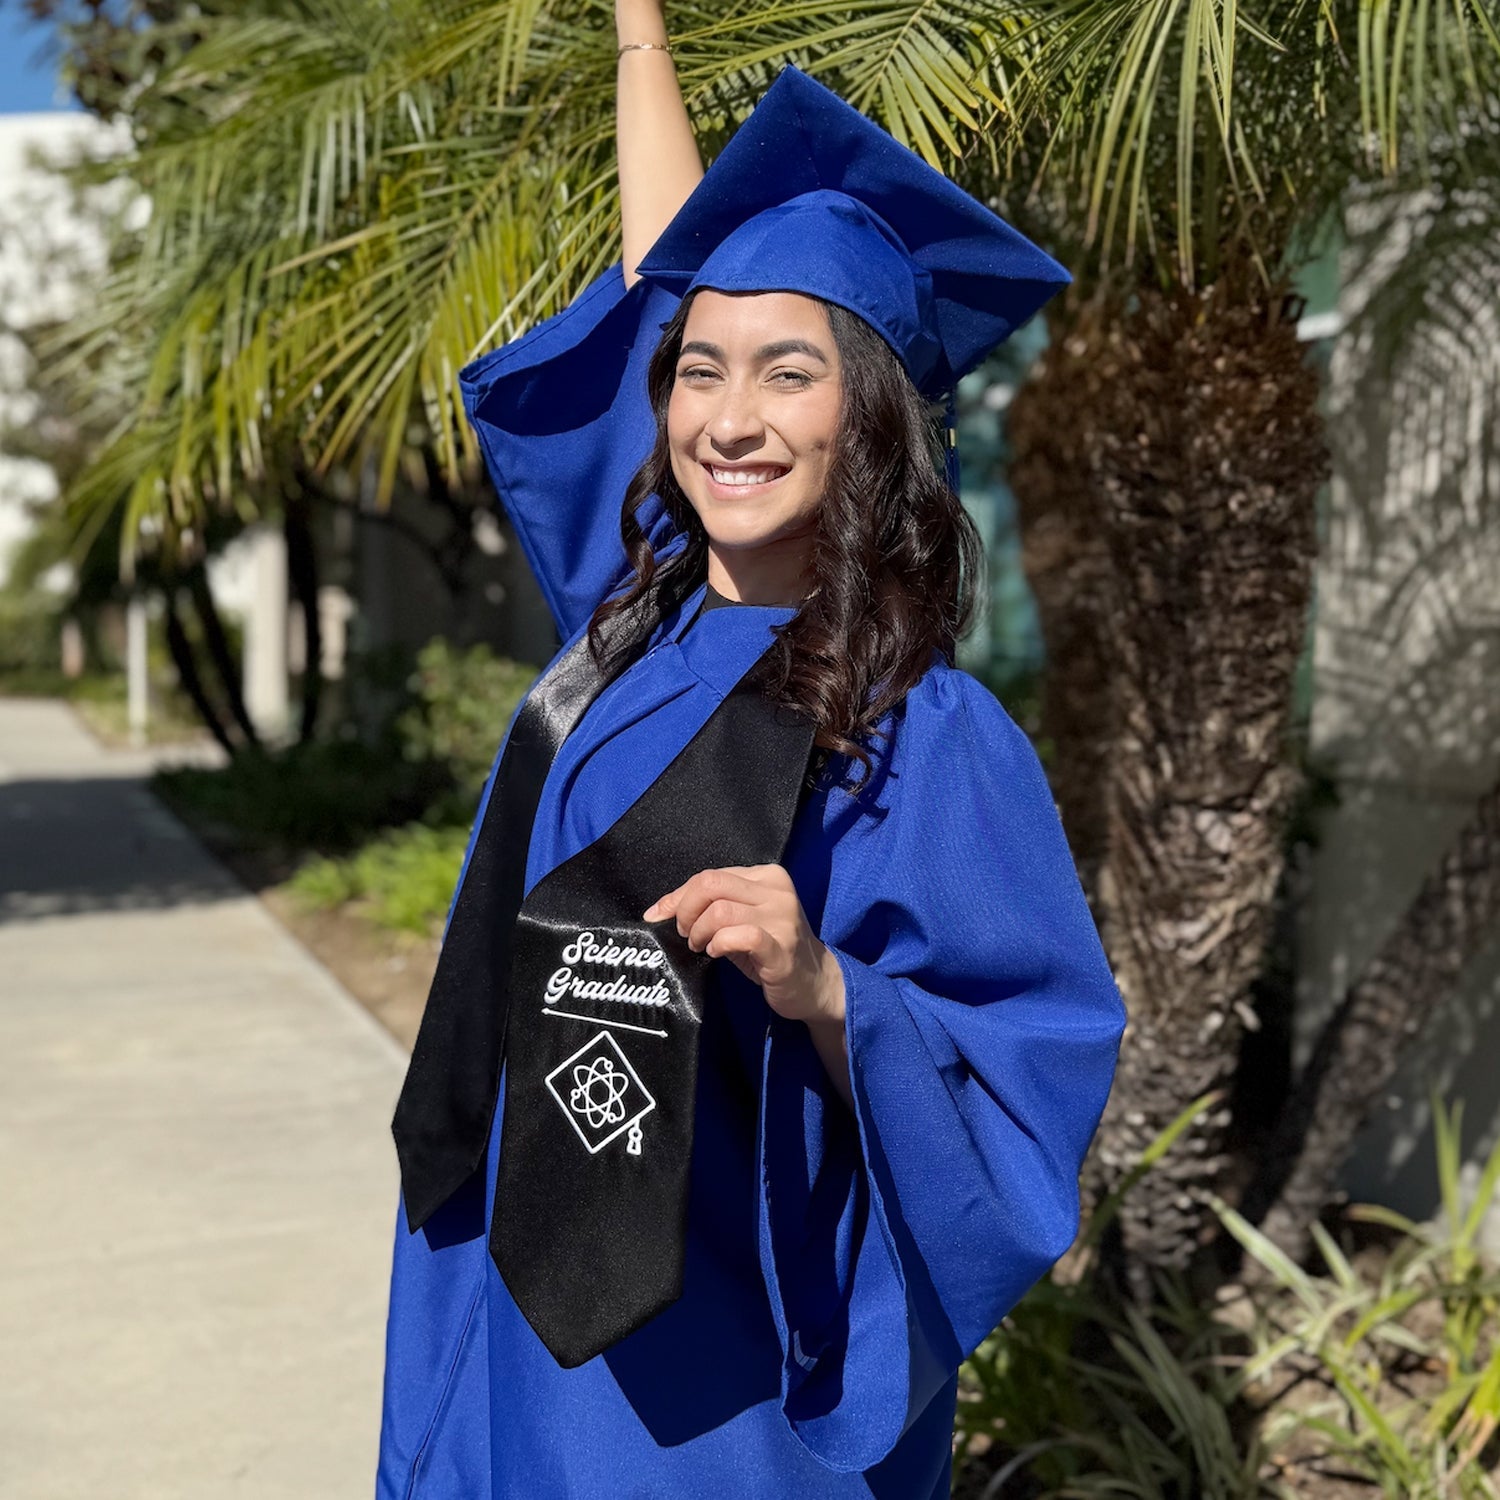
[{"x": 724, "y": 643}]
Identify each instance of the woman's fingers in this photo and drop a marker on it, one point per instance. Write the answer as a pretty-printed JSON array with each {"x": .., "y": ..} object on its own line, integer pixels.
[
  {"x": 719, "y": 914},
  {"x": 749, "y": 914},
  {"x": 752, "y": 915},
  {"x": 748, "y": 883},
  {"x": 750, "y": 947}
]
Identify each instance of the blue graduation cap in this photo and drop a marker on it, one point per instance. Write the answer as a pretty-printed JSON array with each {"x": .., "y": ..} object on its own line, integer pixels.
[{"x": 810, "y": 196}]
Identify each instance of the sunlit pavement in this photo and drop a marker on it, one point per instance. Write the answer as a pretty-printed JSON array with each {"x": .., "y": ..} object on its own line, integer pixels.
[{"x": 197, "y": 1182}]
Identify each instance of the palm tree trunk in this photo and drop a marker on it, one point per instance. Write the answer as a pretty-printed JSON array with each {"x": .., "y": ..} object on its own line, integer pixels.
[
  {"x": 1190, "y": 438},
  {"x": 219, "y": 652},
  {"x": 302, "y": 570},
  {"x": 180, "y": 649},
  {"x": 1455, "y": 914}
]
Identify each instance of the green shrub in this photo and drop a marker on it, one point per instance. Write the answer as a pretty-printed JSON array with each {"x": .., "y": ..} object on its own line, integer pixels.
[
  {"x": 1386, "y": 1374},
  {"x": 326, "y": 796},
  {"x": 402, "y": 880},
  {"x": 332, "y": 797},
  {"x": 1076, "y": 1395},
  {"x": 461, "y": 704},
  {"x": 1405, "y": 1364},
  {"x": 29, "y": 643},
  {"x": 34, "y": 682}
]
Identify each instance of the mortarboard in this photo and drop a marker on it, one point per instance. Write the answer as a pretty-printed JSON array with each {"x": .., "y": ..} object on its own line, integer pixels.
[{"x": 810, "y": 196}]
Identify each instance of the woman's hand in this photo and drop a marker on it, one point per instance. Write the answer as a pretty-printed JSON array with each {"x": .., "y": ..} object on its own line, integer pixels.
[{"x": 751, "y": 915}]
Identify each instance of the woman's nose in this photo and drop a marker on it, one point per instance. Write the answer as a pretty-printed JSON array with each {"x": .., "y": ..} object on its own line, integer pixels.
[{"x": 737, "y": 423}]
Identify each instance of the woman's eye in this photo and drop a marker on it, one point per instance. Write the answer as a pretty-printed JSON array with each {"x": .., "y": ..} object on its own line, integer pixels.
[{"x": 786, "y": 379}]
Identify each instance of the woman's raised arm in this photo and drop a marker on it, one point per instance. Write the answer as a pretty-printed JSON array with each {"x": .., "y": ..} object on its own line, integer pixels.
[
  {"x": 658, "y": 155},
  {"x": 561, "y": 413}
]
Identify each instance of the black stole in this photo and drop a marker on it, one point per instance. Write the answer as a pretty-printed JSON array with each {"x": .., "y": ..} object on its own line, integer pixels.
[
  {"x": 602, "y": 1064},
  {"x": 600, "y": 1073}
]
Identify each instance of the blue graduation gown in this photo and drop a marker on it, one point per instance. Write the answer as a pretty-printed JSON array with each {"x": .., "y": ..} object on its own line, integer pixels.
[{"x": 839, "y": 1266}]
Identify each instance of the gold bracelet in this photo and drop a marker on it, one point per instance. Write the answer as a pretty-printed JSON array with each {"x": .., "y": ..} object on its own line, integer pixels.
[{"x": 644, "y": 47}]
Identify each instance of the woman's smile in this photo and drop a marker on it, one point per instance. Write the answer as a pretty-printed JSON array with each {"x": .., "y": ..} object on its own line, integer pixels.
[{"x": 741, "y": 481}]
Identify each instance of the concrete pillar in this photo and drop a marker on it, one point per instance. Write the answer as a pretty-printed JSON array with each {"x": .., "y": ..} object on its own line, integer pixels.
[
  {"x": 137, "y": 707},
  {"x": 266, "y": 633},
  {"x": 335, "y": 608},
  {"x": 74, "y": 658}
]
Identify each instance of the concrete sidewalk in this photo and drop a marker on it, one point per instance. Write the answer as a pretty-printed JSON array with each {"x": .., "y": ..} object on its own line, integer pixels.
[{"x": 197, "y": 1181}]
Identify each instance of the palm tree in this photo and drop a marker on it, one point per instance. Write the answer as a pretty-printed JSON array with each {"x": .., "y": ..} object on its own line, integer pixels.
[
  {"x": 350, "y": 199},
  {"x": 1172, "y": 429}
]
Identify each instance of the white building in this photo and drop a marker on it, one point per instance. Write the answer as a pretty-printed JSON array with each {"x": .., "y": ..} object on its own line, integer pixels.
[
  {"x": 50, "y": 248},
  {"x": 53, "y": 247}
]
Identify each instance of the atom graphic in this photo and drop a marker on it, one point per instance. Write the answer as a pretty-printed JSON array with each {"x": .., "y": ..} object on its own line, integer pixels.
[{"x": 599, "y": 1093}]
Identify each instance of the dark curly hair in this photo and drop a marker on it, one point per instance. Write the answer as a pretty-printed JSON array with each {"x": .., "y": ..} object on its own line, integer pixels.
[{"x": 895, "y": 557}]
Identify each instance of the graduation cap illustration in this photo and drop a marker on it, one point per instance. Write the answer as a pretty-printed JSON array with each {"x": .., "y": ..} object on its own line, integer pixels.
[{"x": 810, "y": 196}]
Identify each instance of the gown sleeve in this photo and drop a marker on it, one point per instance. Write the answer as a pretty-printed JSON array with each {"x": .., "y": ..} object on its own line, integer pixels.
[
  {"x": 563, "y": 421},
  {"x": 983, "y": 1024}
]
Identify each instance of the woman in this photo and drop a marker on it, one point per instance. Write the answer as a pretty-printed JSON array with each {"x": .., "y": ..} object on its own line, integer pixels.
[{"x": 768, "y": 912}]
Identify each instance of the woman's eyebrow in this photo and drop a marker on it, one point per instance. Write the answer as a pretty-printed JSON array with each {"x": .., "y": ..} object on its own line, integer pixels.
[
  {"x": 789, "y": 346},
  {"x": 765, "y": 353}
]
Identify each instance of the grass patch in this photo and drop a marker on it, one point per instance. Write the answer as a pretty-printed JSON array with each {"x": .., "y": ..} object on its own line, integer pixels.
[
  {"x": 402, "y": 880},
  {"x": 35, "y": 682},
  {"x": 102, "y": 703},
  {"x": 378, "y": 829}
]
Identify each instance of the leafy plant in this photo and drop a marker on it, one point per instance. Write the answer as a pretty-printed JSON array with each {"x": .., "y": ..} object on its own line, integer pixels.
[
  {"x": 402, "y": 880},
  {"x": 324, "y": 796},
  {"x": 1088, "y": 1397},
  {"x": 28, "y": 635},
  {"x": 1385, "y": 1370},
  {"x": 349, "y": 201},
  {"x": 1409, "y": 1361},
  {"x": 462, "y": 702}
]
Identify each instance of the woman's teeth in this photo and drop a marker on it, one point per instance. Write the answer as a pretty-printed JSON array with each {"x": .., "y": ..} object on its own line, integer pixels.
[{"x": 745, "y": 476}]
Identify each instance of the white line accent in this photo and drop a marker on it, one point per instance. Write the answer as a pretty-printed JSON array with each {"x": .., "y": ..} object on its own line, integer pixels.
[{"x": 568, "y": 1015}]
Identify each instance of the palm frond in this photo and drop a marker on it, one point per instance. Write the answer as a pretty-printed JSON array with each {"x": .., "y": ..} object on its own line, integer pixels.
[{"x": 350, "y": 200}]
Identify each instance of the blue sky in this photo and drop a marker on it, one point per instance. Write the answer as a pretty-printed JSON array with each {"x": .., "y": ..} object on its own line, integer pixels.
[{"x": 26, "y": 81}]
